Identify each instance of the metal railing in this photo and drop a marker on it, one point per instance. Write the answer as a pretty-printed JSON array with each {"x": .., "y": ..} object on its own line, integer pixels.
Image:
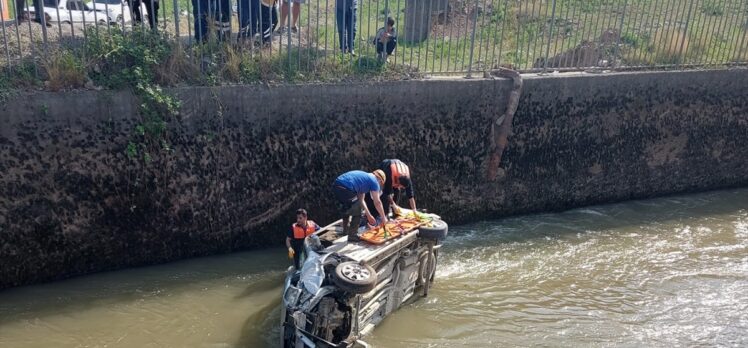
[{"x": 434, "y": 36}]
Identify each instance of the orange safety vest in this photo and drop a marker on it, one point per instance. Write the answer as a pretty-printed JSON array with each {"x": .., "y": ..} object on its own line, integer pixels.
[
  {"x": 301, "y": 233},
  {"x": 397, "y": 170}
]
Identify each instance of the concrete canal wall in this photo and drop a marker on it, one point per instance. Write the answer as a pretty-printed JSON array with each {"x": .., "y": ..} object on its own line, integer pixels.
[{"x": 237, "y": 161}]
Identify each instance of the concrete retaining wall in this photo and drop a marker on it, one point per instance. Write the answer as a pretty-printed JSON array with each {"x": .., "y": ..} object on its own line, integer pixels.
[{"x": 241, "y": 159}]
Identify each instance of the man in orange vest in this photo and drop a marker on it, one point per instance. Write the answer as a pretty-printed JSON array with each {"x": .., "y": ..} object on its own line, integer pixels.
[
  {"x": 398, "y": 180},
  {"x": 296, "y": 235}
]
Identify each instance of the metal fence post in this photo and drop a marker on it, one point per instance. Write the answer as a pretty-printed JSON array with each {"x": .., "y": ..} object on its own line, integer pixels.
[
  {"x": 176, "y": 19},
  {"x": 616, "y": 49},
  {"x": 550, "y": 37},
  {"x": 472, "y": 40},
  {"x": 685, "y": 34}
]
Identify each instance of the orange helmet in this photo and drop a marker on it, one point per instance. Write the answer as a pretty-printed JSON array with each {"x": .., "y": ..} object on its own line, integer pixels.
[{"x": 380, "y": 176}]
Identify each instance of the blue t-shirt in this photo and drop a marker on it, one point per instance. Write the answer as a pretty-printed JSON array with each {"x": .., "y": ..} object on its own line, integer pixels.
[{"x": 358, "y": 181}]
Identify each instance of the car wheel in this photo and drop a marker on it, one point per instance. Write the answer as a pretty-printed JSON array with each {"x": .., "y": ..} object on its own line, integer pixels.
[
  {"x": 354, "y": 277},
  {"x": 437, "y": 229}
]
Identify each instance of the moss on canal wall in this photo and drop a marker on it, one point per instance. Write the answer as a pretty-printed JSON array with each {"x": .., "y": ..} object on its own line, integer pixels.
[{"x": 237, "y": 161}]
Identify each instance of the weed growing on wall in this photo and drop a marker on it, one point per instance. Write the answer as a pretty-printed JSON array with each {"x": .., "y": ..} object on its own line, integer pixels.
[{"x": 134, "y": 60}]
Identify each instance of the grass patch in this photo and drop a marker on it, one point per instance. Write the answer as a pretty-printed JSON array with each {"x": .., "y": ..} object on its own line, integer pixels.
[{"x": 712, "y": 8}]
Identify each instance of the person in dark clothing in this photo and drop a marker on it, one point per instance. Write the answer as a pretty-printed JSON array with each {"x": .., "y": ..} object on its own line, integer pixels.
[
  {"x": 257, "y": 16},
  {"x": 386, "y": 39},
  {"x": 349, "y": 189},
  {"x": 217, "y": 11},
  {"x": 38, "y": 11},
  {"x": 399, "y": 180},
  {"x": 151, "y": 8},
  {"x": 345, "y": 16},
  {"x": 302, "y": 228}
]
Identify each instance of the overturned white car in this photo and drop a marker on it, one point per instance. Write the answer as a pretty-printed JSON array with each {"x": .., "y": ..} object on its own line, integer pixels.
[{"x": 344, "y": 290}]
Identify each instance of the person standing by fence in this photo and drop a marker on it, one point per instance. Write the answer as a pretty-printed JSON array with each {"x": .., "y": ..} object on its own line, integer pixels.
[
  {"x": 38, "y": 11},
  {"x": 217, "y": 11},
  {"x": 295, "y": 13},
  {"x": 345, "y": 17}
]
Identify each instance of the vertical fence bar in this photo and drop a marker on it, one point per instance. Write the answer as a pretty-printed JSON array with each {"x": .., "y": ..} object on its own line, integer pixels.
[
  {"x": 583, "y": 29},
  {"x": 562, "y": 19},
  {"x": 31, "y": 41},
  {"x": 398, "y": 23},
  {"x": 59, "y": 22},
  {"x": 5, "y": 42},
  {"x": 726, "y": 28},
  {"x": 739, "y": 35},
  {"x": 163, "y": 11},
  {"x": 289, "y": 34},
  {"x": 704, "y": 38},
  {"x": 491, "y": 37},
  {"x": 731, "y": 42},
  {"x": 679, "y": 16},
  {"x": 568, "y": 19},
  {"x": 700, "y": 24},
  {"x": 430, "y": 39},
  {"x": 503, "y": 31},
  {"x": 448, "y": 18},
  {"x": 423, "y": 25},
  {"x": 414, "y": 20},
  {"x": 550, "y": 37},
  {"x": 716, "y": 38},
  {"x": 445, "y": 13},
  {"x": 643, "y": 32},
  {"x": 327, "y": 7},
  {"x": 176, "y": 20},
  {"x": 433, "y": 40},
  {"x": 616, "y": 49},
  {"x": 658, "y": 48},
  {"x": 18, "y": 35},
  {"x": 685, "y": 34},
  {"x": 530, "y": 40},
  {"x": 713, "y": 40},
  {"x": 472, "y": 40},
  {"x": 652, "y": 34},
  {"x": 517, "y": 60},
  {"x": 482, "y": 26},
  {"x": 742, "y": 39}
]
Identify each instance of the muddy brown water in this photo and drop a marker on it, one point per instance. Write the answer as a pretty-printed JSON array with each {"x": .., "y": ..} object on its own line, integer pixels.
[{"x": 662, "y": 272}]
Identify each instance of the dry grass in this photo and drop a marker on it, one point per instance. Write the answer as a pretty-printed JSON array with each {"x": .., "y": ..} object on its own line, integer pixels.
[
  {"x": 64, "y": 71},
  {"x": 670, "y": 46},
  {"x": 178, "y": 67}
]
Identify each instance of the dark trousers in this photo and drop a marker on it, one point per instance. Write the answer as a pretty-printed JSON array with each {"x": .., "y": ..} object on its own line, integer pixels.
[
  {"x": 216, "y": 11},
  {"x": 151, "y": 7},
  {"x": 255, "y": 17},
  {"x": 21, "y": 6},
  {"x": 390, "y": 47},
  {"x": 350, "y": 211},
  {"x": 298, "y": 247},
  {"x": 346, "y": 21}
]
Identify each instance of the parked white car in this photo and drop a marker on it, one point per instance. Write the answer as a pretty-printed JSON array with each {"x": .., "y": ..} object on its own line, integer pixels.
[
  {"x": 74, "y": 11},
  {"x": 120, "y": 9}
]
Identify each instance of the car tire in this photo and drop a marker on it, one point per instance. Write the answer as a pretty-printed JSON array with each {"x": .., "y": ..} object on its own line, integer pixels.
[
  {"x": 354, "y": 277},
  {"x": 437, "y": 230}
]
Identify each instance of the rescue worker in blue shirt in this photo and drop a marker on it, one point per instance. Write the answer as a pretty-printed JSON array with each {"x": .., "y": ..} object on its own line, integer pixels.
[
  {"x": 398, "y": 180},
  {"x": 350, "y": 189},
  {"x": 302, "y": 228}
]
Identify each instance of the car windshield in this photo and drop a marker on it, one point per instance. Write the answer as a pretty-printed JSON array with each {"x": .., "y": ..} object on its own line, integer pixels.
[{"x": 108, "y": 2}]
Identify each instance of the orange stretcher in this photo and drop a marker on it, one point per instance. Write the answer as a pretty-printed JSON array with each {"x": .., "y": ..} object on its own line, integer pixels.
[{"x": 392, "y": 229}]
